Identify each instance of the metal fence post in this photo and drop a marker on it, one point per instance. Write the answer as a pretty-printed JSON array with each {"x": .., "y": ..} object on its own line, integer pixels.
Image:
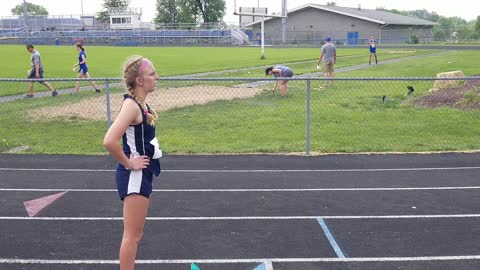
[
  {"x": 307, "y": 135},
  {"x": 107, "y": 97}
]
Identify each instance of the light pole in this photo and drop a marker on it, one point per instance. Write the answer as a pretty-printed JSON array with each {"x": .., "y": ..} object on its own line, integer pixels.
[
  {"x": 81, "y": 8},
  {"x": 284, "y": 21},
  {"x": 25, "y": 12}
]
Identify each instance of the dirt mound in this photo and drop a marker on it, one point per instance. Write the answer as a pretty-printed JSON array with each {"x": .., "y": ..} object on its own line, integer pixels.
[
  {"x": 446, "y": 84},
  {"x": 465, "y": 97},
  {"x": 161, "y": 100}
]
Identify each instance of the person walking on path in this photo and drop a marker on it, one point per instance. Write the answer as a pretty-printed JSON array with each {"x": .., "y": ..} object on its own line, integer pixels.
[
  {"x": 36, "y": 71},
  {"x": 83, "y": 70}
]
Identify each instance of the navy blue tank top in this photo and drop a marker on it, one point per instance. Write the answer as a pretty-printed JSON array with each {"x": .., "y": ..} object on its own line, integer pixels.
[
  {"x": 82, "y": 66},
  {"x": 140, "y": 140}
]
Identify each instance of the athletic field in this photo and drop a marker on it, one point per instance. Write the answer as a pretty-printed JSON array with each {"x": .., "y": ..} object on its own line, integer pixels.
[{"x": 220, "y": 117}]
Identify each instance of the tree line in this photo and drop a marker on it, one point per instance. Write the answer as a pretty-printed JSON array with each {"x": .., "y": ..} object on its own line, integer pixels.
[
  {"x": 168, "y": 11},
  {"x": 447, "y": 28}
]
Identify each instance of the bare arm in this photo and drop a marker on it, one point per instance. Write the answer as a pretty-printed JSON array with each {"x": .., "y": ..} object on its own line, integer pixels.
[
  {"x": 37, "y": 69},
  {"x": 84, "y": 60},
  {"x": 320, "y": 59},
  {"x": 279, "y": 71},
  {"x": 275, "y": 86},
  {"x": 111, "y": 142}
]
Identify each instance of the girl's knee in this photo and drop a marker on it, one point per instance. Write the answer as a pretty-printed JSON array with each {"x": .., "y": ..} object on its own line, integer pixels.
[{"x": 134, "y": 236}]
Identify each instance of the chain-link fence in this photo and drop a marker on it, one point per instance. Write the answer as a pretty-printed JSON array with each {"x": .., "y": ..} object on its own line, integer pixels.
[{"x": 239, "y": 115}]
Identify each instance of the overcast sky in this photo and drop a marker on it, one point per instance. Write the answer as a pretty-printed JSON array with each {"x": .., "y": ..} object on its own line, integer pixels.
[{"x": 466, "y": 9}]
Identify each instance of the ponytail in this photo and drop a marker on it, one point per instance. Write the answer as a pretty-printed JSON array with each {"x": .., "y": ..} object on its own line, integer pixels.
[{"x": 80, "y": 46}]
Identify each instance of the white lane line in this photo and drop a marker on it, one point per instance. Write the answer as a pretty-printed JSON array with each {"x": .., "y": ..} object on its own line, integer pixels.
[
  {"x": 259, "y": 260},
  {"x": 257, "y": 171},
  {"x": 244, "y": 217},
  {"x": 246, "y": 189}
]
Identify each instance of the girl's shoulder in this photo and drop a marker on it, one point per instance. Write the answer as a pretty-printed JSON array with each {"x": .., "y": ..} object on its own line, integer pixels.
[{"x": 129, "y": 101}]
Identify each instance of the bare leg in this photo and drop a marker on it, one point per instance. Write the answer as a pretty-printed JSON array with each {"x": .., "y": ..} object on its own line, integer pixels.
[
  {"x": 135, "y": 209},
  {"x": 30, "y": 88},
  {"x": 77, "y": 84},
  {"x": 91, "y": 82},
  {"x": 49, "y": 86},
  {"x": 283, "y": 88},
  {"x": 326, "y": 75},
  {"x": 376, "y": 61},
  {"x": 370, "y": 58}
]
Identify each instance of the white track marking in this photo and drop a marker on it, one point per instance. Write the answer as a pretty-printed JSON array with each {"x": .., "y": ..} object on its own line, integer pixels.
[
  {"x": 259, "y": 260},
  {"x": 246, "y": 189},
  {"x": 243, "y": 217},
  {"x": 256, "y": 171}
]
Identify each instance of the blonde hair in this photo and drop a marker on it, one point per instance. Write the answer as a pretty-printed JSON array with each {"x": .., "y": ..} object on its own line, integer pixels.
[{"x": 131, "y": 70}]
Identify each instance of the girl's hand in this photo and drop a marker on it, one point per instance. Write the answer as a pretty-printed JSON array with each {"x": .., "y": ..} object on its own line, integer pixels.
[{"x": 138, "y": 163}]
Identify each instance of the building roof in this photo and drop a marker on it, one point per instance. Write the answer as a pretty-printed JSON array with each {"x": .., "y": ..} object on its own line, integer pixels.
[{"x": 376, "y": 16}]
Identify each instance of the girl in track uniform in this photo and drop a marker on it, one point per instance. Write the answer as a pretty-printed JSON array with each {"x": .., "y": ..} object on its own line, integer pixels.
[{"x": 139, "y": 158}]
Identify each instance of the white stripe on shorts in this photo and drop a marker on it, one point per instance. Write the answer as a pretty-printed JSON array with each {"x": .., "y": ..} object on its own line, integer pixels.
[
  {"x": 135, "y": 182},
  {"x": 135, "y": 179}
]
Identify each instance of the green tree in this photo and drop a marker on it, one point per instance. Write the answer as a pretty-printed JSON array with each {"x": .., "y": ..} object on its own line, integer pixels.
[
  {"x": 32, "y": 10},
  {"x": 104, "y": 15},
  {"x": 211, "y": 10},
  {"x": 167, "y": 12},
  {"x": 206, "y": 11},
  {"x": 188, "y": 12},
  {"x": 447, "y": 28},
  {"x": 464, "y": 32},
  {"x": 423, "y": 14},
  {"x": 477, "y": 25}
]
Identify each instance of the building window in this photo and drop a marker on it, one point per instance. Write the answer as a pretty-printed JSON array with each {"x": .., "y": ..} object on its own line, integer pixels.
[{"x": 121, "y": 20}]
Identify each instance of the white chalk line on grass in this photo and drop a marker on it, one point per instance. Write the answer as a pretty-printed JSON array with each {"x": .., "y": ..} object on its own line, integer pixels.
[
  {"x": 245, "y": 189},
  {"x": 256, "y": 171},
  {"x": 243, "y": 217},
  {"x": 256, "y": 260}
]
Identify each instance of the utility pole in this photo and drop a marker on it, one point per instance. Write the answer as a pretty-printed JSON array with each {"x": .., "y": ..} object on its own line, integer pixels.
[
  {"x": 25, "y": 12},
  {"x": 284, "y": 21},
  {"x": 81, "y": 6}
]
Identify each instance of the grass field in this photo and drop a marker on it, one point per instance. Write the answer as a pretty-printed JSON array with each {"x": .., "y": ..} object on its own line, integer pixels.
[
  {"x": 347, "y": 118},
  {"x": 107, "y": 61}
]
